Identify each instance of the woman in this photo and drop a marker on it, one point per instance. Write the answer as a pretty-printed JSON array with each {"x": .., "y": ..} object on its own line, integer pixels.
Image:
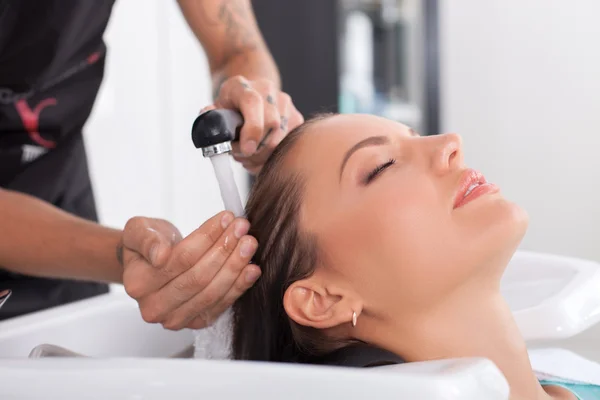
[{"x": 371, "y": 233}]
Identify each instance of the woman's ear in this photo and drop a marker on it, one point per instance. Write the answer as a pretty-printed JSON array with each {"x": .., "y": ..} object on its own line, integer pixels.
[{"x": 310, "y": 302}]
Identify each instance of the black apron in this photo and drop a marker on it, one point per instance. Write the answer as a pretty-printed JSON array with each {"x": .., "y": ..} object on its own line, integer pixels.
[{"x": 52, "y": 58}]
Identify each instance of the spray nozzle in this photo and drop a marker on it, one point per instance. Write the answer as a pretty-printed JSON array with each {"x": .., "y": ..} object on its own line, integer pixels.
[{"x": 214, "y": 130}]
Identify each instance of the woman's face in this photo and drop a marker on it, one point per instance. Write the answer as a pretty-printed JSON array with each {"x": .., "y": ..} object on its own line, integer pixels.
[{"x": 387, "y": 207}]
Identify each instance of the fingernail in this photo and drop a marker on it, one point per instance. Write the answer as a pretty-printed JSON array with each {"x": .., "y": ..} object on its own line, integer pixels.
[
  {"x": 252, "y": 275},
  {"x": 226, "y": 220},
  {"x": 247, "y": 248},
  {"x": 250, "y": 147},
  {"x": 241, "y": 228}
]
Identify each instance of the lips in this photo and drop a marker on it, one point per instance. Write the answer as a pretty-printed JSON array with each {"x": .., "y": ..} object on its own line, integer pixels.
[{"x": 471, "y": 186}]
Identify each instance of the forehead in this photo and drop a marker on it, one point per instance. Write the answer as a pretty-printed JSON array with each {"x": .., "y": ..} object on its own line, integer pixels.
[
  {"x": 319, "y": 152},
  {"x": 327, "y": 141}
]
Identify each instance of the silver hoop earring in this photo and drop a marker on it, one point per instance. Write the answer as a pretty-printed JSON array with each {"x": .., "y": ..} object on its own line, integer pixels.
[{"x": 354, "y": 317}]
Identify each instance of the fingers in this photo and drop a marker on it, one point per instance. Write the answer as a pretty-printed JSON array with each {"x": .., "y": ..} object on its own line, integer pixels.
[
  {"x": 279, "y": 130},
  {"x": 193, "y": 280},
  {"x": 295, "y": 119},
  {"x": 196, "y": 278},
  {"x": 244, "y": 281},
  {"x": 272, "y": 116},
  {"x": 274, "y": 137},
  {"x": 141, "y": 276},
  {"x": 269, "y": 115},
  {"x": 230, "y": 282},
  {"x": 237, "y": 93},
  {"x": 195, "y": 246}
]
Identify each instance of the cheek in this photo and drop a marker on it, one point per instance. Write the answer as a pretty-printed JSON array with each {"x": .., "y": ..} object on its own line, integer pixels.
[
  {"x": 420, "y": 240},
  {"x": 394, "y": 240},
  {"x": 411, "y": 217}
]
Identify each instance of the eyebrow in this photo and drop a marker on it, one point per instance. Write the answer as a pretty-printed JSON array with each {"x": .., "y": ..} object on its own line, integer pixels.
[{"x": 370, "y": 141}]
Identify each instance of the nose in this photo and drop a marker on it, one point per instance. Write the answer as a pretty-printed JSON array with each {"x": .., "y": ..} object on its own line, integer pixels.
[{"x": 448, "y": 153}]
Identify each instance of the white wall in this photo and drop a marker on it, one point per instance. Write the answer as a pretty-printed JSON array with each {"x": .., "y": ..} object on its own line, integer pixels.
[
  {"x": 521, "y": 83},
  {"x": 142, "y": 159}
]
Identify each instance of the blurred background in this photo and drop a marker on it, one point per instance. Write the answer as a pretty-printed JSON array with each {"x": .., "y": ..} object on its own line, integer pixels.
[{"x": 518, "y": 80}]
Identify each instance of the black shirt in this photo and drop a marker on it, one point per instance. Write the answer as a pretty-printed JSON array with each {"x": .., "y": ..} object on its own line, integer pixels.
[{"x": 52, "y": 57}]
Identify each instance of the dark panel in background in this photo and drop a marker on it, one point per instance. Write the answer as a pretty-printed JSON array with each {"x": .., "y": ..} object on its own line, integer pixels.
[
  {"x": 302, "y": 36},
  {"x": 432, "y": 66}
]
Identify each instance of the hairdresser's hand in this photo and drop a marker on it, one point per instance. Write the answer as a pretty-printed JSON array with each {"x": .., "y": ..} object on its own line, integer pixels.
[
  {"x": 269, "y": 114},
  {"x": 187, "y": 282}
]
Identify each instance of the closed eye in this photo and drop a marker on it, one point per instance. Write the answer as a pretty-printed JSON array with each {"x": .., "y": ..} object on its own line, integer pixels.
[{"x": 378, "y": 170}]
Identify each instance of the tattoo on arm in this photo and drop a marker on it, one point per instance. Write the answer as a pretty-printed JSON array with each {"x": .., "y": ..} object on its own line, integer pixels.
[
  {"x": 240, "y": 36},
  {"x": 217, "y": 85},
  {"x": 234, "y": 16}
]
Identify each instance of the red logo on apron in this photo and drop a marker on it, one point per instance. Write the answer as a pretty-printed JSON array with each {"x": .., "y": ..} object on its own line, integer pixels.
[{"x": 31, "y": 120}]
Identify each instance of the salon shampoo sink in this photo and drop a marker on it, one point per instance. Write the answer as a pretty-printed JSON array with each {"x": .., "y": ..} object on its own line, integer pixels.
[
  {"x": 552, "y": 297},
  {"x": 125, "y": 358},
  {"x": 152, "y": 379},
  {"x": 109, "y": 325}
]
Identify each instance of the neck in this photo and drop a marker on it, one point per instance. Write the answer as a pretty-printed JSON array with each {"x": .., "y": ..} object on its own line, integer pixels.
[{"x": 477, "y": 325}]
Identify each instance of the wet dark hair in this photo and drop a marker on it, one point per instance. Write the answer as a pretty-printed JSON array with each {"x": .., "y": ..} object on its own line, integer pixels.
[{"x": 262, "y": 330}]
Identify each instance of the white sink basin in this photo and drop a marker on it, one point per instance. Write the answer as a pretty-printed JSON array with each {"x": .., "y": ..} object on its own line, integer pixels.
[
  {"x": 150, "y": 379},
  {"x": 552, "y": 297}
]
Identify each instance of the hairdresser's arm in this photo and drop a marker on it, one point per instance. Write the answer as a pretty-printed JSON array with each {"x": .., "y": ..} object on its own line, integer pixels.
[
  {"x": 233, "y": 43},
  {"x": 41, "y": 240},
  {"x": 177, "y": 282},
  {"x": 245, "y": 76}
]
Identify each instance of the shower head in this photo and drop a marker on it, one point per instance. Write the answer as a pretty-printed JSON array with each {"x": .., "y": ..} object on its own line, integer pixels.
[{"x": 214, "y": 130}]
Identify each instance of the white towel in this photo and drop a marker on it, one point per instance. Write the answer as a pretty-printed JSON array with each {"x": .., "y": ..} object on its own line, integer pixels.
[
  {"x": 564, "y": 366},
  {"x": 214, "y": 342}
]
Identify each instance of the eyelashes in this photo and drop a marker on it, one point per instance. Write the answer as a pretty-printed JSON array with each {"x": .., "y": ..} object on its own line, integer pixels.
[{"x": 378, "y": 170}]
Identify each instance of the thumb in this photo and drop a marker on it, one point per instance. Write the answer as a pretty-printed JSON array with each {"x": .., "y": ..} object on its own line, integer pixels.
[{"x": 150, "y": 238}]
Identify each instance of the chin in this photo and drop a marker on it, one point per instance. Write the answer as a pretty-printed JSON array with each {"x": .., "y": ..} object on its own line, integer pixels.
[
  {"x": 509, "y": 229},
  {"x": 520, "y": 219},
  {"x": 497, "y": 227}
]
